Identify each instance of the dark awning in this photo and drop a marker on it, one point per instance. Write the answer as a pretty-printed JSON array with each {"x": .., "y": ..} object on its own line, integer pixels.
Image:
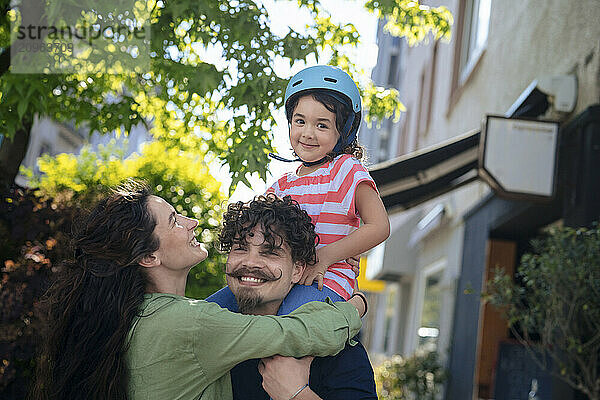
[{"x": 414, "y": 178}]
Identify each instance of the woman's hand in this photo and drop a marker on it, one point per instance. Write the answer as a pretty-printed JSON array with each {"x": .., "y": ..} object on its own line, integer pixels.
[
  {"x": 359, "y": 300},
  {"x": 284, "y": 376}
]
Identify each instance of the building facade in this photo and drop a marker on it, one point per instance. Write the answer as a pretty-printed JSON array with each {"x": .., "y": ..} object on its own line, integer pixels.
[{"x": 448, "y": 225}]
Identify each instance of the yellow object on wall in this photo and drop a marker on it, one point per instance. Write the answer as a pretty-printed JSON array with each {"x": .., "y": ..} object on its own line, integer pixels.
[{"x": 365, "y": 284}]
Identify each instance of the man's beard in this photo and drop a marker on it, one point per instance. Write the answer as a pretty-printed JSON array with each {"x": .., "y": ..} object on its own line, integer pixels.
[{"x": 248, "y": 300}]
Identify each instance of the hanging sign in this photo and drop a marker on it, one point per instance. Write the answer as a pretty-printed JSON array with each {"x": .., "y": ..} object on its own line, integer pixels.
[{"x": 518, "y": 157}]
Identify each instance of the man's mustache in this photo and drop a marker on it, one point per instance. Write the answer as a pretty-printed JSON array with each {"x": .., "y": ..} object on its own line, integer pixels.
[{"x": 255, "y": 273}]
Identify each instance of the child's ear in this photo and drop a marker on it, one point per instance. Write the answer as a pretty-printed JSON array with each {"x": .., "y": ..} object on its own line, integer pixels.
[
  {"x": 149, "y": 261},
  {"x": 299, "y": 268}
]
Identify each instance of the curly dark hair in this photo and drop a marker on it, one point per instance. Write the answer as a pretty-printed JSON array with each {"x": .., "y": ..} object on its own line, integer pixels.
[
  {"x": 282, "y": 220},
  {"x": 92, "y": 304},
  {"x": 341, "y": 111}
]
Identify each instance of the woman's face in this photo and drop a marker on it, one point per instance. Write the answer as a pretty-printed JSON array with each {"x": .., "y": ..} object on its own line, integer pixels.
[{"x": 179, "y": 249}]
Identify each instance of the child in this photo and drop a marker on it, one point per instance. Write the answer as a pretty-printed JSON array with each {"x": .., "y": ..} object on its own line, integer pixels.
[{"x": 323, "y": 109}]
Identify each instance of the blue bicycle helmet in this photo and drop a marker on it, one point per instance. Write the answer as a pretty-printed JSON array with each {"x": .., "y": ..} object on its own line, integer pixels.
[{"x": 337, "y": 84}]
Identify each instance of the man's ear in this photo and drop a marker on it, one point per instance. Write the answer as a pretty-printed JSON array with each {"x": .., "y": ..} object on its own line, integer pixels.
[
  {"x": 299, "y": 268},
  {"x": 149, "y": 261}
]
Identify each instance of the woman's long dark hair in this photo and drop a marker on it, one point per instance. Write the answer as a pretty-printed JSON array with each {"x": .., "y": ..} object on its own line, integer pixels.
[{"x": 91, "y": 306}]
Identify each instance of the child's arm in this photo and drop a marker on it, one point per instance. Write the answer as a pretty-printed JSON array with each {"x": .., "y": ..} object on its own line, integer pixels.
[{"x": 374, "y": 230}]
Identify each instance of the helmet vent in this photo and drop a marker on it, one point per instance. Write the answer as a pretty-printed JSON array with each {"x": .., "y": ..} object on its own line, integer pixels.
[
  {"x": 296, "y": 83},
  {"x": 332, "y": 80}
]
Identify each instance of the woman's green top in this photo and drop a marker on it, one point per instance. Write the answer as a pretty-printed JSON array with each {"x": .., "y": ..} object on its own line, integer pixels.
[{"x": 183, "y": 349}]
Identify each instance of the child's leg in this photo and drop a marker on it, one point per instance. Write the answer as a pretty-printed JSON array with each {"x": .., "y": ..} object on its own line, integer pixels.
[
  {"x": 225, "y": 298},
  {"x": 301, "y": 294}
]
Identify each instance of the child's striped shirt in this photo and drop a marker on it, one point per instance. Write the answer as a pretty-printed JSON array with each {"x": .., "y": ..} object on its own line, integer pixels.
[{"x": 328, "y": 196}]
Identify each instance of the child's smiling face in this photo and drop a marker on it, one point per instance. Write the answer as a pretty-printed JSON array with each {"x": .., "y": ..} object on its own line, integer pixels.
[{"x": 313, "y": 131}]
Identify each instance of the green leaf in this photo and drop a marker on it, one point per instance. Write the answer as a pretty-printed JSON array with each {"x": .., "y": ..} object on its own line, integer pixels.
[
  {"x": 22, "y": 107},
  {"x": 224, "y": 95}
]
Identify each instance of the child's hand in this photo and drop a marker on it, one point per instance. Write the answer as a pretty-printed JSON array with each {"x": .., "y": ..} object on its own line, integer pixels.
[
  {"x": 317, "y": 272},
  {"x": 354, "y": 263},
  {"x": 314, "y": 273}
]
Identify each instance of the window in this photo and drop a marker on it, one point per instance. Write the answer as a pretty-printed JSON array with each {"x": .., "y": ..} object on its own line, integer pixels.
[
  {"x": 425, "y": 329},
  {"x": 475, "y": 27},
  {"x": 391, "y": 318},
  {"x": 426, "y": 93},
  {"x": 393, "y": 67},
  {"x": 384, "y": 141},
  {"x": 395, "y": 54},
  {"x": 429, "y": 328},
  {"x": 404, "y": 132},
  {"x": 423, "y": 100}
]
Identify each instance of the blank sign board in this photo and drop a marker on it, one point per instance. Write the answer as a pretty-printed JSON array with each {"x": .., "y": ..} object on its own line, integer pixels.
[{"x": 518, "y": 157}]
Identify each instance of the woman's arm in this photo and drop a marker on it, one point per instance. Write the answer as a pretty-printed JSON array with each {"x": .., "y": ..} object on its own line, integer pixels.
[
  {"x": 374, "y": 230},
  {"x": 222, "y": 339}
]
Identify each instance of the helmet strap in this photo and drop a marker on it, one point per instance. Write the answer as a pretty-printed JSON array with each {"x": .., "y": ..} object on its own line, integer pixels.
[{"x": 305, "y": 163}]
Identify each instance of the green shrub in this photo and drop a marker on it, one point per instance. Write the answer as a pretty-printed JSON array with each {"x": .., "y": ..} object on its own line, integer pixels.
[
  {"x": 553, "y": 305},
  {"x": 418, "y": 377}
]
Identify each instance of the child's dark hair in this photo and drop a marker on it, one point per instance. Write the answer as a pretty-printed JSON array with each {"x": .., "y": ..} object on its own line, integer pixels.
[{"x": 342, "y": 112}]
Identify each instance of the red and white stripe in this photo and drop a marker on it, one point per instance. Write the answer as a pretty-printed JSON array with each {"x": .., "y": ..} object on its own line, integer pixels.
[{"x": 328, "y": 195}]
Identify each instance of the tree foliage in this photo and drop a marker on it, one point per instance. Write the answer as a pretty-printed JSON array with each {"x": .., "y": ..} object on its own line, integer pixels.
[
  {"x": 182, "y": 178},
  {"x": 412, "y": 20},
  {"x": 553, "y": 306},
  {"x": 183, "y": 95}
]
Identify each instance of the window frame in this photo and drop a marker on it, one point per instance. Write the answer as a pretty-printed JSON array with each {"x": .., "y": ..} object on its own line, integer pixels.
[
  {"x": 470, "y": 52},
  {"x": 463, "y": 70},
  {"x": 432, "y": 269}
]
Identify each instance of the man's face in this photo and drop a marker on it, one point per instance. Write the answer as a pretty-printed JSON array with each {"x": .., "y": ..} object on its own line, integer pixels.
[{"x": 260, "y": 277}]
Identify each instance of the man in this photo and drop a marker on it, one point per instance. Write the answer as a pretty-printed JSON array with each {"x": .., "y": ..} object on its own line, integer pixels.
[{"x": 270, "y": 241}]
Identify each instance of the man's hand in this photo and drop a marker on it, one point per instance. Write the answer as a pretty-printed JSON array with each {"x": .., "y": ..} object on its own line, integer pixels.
[{"x": 283, "y": 376}]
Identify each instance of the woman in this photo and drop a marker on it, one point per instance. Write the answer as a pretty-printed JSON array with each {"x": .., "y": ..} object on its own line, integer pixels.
[{"x": 120, "y": 328}]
